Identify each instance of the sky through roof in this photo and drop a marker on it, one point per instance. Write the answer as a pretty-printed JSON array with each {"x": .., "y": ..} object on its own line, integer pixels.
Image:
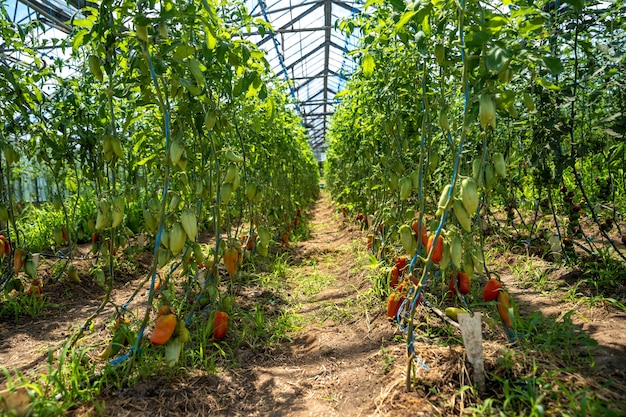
[{"x": 307, "y": 49}]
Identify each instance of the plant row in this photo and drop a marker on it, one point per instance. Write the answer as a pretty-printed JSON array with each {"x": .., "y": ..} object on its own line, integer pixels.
[
  {"x": 465, "y": 119},
  {"x": 169, "y": 130}
]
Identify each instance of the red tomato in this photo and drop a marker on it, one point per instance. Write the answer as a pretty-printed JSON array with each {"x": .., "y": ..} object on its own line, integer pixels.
[
  {"x": 438, "y": 249},
  {"x": 492, "y": 289},
  {"x": 220, "y": 325},
  {"x": 393, "y": 304},
  {"x": 463, "y": 282}
]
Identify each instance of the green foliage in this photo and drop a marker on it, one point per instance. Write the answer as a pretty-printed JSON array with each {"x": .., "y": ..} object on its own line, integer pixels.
[
  {"x": 171, "y": 118},
  {"x": 524, "y": 100},
  {"x": 413, "y": 110}
]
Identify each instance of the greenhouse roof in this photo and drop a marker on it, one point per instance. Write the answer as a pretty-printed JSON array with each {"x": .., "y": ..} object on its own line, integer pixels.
[{"x": 308, "y": 50}]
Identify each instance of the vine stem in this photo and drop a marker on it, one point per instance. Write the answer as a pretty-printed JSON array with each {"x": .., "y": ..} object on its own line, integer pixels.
[{"x": 153, "y": 271}]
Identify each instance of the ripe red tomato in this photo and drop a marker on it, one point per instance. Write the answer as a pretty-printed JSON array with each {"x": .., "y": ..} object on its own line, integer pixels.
[
  {"x": 437, "y": 250},
  {"x": 393, "y": 304},
  {"x": 463, "y": 282},
  {"x": 492, "y": 289},
  {"x": 395, "y": 276},
  {"x": 220, "y": 325}
]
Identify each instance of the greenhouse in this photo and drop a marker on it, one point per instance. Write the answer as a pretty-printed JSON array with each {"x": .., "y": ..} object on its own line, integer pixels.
[{"x": 315, "y": 207}]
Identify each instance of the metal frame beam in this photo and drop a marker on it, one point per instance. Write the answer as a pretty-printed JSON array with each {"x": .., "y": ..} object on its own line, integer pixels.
[
  {"x": 283, "y": 9},
  {"x": 322, "y": 74},
  {"x": 323, "y": 45},
  {"x": 294, "y": 20},
  {"x": 328, "y": 11}
]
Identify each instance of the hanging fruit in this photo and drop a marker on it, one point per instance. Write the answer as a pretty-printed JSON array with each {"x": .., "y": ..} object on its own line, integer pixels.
[
  {"x": 231, "y": 256},
  {"x": 18, "y": 261},
  {"x": 492, "y": 289},
  {"x": 504, "y": 306},
  {"x": 469, "y": 195},
  {"x": 487, "y": 111},
  {"x": 163, "y": 329},
  {"x": 177, "y": 238},
  {"x": 393, "y": 304},
  {"x": 220, "y": 325},
  {"x": 437, "y": 249},
  {"x": 189, "y": 222}
]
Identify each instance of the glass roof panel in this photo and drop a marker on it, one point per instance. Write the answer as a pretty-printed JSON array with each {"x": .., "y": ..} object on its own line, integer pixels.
[{"x": 312, "y": 51}]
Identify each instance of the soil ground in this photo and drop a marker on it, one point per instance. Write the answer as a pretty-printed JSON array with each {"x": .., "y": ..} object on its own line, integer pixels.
[{"x": 337, "y": 364}]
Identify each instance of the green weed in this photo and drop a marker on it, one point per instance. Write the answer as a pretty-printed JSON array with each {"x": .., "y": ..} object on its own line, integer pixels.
[
  {"x": 387, "y": 360},
  {"x": 531, "y": 275}
]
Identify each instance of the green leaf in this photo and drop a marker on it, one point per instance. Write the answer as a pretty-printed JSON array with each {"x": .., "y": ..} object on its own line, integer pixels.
[
  {"x": 342, "y": 93},
  {"x": 548, "y": 84},
  {"x": 182, "y": 52},
  {"x": 406, "y": 16},
  {"x": 82, "y": 23},
  {"x": 426, "y": 25},
  {"x": 496, "y": 23},
  {"x": 477, "y": 38},
  {"x": 270, "y": 108},
  {"x": 211, "y": 41},
  {"x": 496, "y": 58},
  {"x": 553, "y": 64},
  {"x": 577, "y": 4},
  {"x": 79, "y": 39},
  {"x": 146, "y": 160},
  {"x": 531, "y": 25},
  {"x": 368, "y": 65},
  {"x": 398, "y": 5}
]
